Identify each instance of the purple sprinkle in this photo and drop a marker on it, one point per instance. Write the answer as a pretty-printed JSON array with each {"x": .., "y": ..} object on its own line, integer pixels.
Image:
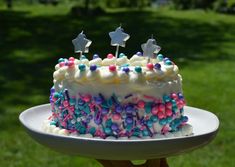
[
  {"x": 126, "y": 69},
  {"x": 98, "y": 121},
  {"x": 66, "y": 94},
  {"x": 157, "y": 66},
  {"x": 129, "y": 109},
  {"x": 114, "y": 127},
  {"x": 104, "y": 111},
  {"x": 52, "y": 90},
  {"x": 129, "y": 120},
  {"x": 118, "y": 109},
  {"x": 127, "y": 96},
  {"x": 139, "y": 54}
]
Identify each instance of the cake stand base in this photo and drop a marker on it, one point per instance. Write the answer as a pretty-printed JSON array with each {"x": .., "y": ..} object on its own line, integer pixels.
[
  {"x": 111, "y": 151},
  {"x": 162, "y": 162}
]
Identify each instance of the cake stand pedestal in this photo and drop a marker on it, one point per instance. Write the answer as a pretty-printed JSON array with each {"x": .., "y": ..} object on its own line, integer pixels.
[{"x": 111, "y": 152}]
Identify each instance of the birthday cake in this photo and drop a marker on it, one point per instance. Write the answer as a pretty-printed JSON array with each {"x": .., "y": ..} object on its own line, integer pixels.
[{"x": 118, "y": 97}]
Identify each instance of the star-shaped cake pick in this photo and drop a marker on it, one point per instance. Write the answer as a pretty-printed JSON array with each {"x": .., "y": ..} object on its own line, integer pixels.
[
  {"x": 81, "y": 43},
  {"x": 149, "y": 48},
  {"x": 118, "y": 38}
]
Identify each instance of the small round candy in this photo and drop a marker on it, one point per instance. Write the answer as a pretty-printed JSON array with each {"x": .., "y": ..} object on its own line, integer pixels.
[
  {"x": 82, "y": 67},
  {"x": 104, "y": 111},
  {"x": 62, "y": 64},
  {"x": 98, "y": 121},
  {"x": 112, "y": 68},
  {"x": 149, "y": 123},
  {"x": 168, "y": 62},
  {"x": 93, "y": 67},
  {"x": 157, "y": 66},
  {"x": 71, "y": 59},
  {"x": 141, "y": 104},
  {"x": 168, "y": 112},
  {"x": 138, "y": 69},
  {"x": 129, "y": 109},
  {"x": 129, "y": 120},
  {"x": 118, "y": 109},
  {"x": 154, "y": 110},
  {"x": 114, "y": 127},
  {"x": 107, "y": 131},
  {"x": 160, "y": 115},
  {"x": 70, "y": 63},
  {"x": 83, "y": 57},
  {"x": 121, "y": 55},
  {"x": 150, "y": 66},
  {"x": 60, "y": 60},
  {"x": 160, "y": 57},
  {"x": 139, "y": 54},
  {"x": 166, "y": 58},
  {"x": 110, "y": 56},
  {"x": 95, "y": 56},
  {"x": 126, "y": 69},
  {"x": 116, "y": 117}
]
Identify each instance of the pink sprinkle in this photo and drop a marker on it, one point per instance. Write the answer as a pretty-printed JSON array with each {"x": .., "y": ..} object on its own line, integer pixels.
[
  {"x": 141, "y": 104},
  {"x": 154, "y": 110},
  {"x": 165, "y": 129},
  {"x": 161, "y": 115},
  {"x": 71, "y": 64},
  {"x": 66, "y": 103},
  {"x": 116, "y": 117},
  {"x": 161, "y": 107},
  {"x": 71, "y": 59},
  {"x": 150, "y": 66},
  {"x": 168, "y": 112},
  {"x": 174, "y": 96},
  {"x": 64, "y": 124},
  {"x": 112, "y": 68},
  {"x": 87, "y": 98},
  {"x": 110, "y": 56},
  {"x": 168, "y": 105},
  {"x": 60, "y": 108}
]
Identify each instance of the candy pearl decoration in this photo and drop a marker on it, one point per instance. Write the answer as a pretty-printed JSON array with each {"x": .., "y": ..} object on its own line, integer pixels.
[
  {"x": 121, "y": 55},
  {"x": 150, "y": 66},
  {"x": 168, "y": 62},
  {"x": 160, "y": 57},
  {"x": 71, "y": 59},
  {"x": 139, "y": 54},
  {"x": 141, "y": 104},
  {"x": 154, "y": 110},
  {"x": 82, "y": 67},
  {"x": 110, "y": 56},
  {"x": 112, "y": 68},
  {"x": 126, "y": 69},
  {"x": 93, "y": 67},
  {"x": 138, "y": 69},
  {"x": 70, "y": 64},
  {"x": 83, "y": 57},
  {"x": 60, "y": 60},
  {"x": 157, "y": 66},
  {"x": 95, "y": 56}
]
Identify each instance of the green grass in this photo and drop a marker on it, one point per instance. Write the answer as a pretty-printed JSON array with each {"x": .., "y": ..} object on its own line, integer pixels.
[{"x": 33, "y": 38}]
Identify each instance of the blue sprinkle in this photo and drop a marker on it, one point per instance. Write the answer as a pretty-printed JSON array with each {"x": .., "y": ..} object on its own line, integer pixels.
[
  {"x": 145, "y": 133},
  {"x": 95, "y": 56},
  {"x": 163, "y": 121},
  {"x": 108, "y": 131},
  {"x": 154, "y": 118},
  {"x": 60, "y": 60},
  {"x": 121, "y": 55},
  {"x": 148, "y": 107},
  {"x": 92, "y": 131},
  {"x": 160, "y": 57}
]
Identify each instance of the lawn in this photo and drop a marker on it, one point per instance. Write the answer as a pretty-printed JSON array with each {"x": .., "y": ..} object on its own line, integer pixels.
[{"x": 32, "y": 38}]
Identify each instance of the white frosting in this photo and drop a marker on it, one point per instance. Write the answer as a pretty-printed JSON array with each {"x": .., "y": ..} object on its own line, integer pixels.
[
  {"x": 186, "y": 130},
  {"x": 151, "y": 82}
]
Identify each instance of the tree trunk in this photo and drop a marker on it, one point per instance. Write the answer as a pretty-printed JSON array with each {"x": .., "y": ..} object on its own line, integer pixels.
[
  {"x": 9, "y": 4},
  {"x": 87, "y": 4}
]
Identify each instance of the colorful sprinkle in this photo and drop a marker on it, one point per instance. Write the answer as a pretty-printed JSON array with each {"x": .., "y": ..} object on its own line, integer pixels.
[
  {"x": 110, "y": 56},
  {"x": 82, "y": 67},
  {"x": 138, "y": 69},
  {"x": 112, "y": 68}
]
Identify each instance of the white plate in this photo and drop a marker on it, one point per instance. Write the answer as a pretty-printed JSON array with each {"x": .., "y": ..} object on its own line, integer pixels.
[{"x": 205, "y": 127}]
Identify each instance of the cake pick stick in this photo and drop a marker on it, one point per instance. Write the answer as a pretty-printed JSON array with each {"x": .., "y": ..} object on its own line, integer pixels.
[
  {"x": 150, "y": 47},
  {"x": 118, "y": 38},
  {"x": 81, "y": 44}
]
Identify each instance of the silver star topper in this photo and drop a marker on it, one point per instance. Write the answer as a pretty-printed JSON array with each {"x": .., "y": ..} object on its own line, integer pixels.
[
  {"x": 118, "y": 37},
  {"x": 81, "y": 43},
  {"x": 149, "y": 48}
]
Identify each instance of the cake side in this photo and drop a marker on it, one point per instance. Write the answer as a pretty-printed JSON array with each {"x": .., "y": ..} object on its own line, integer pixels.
[{"x": 117, "y": 97}]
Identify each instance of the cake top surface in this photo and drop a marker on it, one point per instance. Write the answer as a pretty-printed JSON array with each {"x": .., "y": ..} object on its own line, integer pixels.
[{"x": 137, "y": 69}]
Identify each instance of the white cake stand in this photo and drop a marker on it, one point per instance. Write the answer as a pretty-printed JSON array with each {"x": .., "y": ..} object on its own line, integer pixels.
[{"x": 205, "y": 127}]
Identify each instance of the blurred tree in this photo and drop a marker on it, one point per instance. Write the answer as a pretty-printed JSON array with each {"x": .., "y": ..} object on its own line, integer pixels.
[
  {"x": 128, "y": 3},
  {"x": 9, "y": 4},
  {"x": 187, "y": 4}
]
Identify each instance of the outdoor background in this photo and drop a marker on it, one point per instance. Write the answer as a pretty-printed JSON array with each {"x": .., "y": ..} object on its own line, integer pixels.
[{"x": 199, "y": 35}]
